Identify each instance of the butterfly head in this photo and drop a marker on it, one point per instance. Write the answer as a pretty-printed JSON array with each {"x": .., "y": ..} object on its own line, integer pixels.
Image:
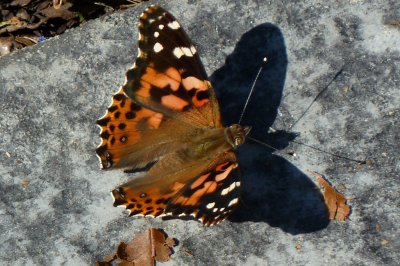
[{"x": 236, "y": 134}]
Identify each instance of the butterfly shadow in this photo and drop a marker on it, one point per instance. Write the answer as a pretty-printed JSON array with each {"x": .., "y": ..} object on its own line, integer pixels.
[{"x": 273, "y": 190}]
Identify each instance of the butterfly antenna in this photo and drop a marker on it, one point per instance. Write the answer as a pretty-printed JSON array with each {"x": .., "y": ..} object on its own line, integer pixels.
[
  {"x": 252, "y": 89},
  {"x": 262, "y": 143},
  {"x": 316, "y": 98},
  {"x": 330, "y": 153},
  {"x": 303, "y": 114}
]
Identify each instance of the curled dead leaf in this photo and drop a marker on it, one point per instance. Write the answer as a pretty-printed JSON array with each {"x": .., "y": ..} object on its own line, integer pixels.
[
  {"x": 334, "y": 201},
  {"x": 145, "y": 248}
]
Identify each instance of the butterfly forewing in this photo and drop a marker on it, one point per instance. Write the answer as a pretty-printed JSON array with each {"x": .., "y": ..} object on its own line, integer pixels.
[
  {"x": 166, "y": 115},
  {"x": 168, "y": 76}
]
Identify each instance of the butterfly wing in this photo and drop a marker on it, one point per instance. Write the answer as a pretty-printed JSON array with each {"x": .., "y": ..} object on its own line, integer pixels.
[
  {"x": 209, "y": 197},
  {"x": 157, "y": 117},
  {"x": 168, "y": 76},
  {"x": 166, "y": 83}
]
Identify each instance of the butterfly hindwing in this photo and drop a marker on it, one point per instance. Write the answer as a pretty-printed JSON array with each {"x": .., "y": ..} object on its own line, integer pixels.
[{"x": 211, "y": 197}]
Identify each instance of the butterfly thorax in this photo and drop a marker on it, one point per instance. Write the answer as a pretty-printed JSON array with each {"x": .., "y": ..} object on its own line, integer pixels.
[{"x": 207, "y": 142}]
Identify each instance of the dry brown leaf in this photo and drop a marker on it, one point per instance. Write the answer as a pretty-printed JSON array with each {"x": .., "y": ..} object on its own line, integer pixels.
[
  {"x": 26, "y": 40},
  {"x": 20, "y": 2},
  {"x": 143, "y": 249},
  {"x": 334, "y": 201},
  {"x": 394, "y": 23},
  {"x": 61, "y": 12},
  {"x": 298, "y": 247}
]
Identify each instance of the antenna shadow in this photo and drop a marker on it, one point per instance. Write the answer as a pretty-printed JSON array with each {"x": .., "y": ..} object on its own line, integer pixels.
[{"x": 273, "y": 190}]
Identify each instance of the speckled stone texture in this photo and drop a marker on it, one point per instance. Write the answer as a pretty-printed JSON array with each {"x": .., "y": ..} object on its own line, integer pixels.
[{"x": 52, "y": 94}]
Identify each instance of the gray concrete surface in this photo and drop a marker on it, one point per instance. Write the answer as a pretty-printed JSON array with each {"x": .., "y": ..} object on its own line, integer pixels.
[{"x": 52, "y": 94}]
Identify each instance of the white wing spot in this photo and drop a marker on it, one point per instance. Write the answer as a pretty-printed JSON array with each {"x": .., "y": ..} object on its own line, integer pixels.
[
  {"x": 158, "y": 47},
  {"x": 229, "y": 189},
  {"x": 215, "y": 209},
  {"x": 178, "y": 52},
  {"x": 233, "y": 202},
  {"x": 161, "y": 26},
  {"x": 193, "y": 50},
  {"x": 237, "y": 184},
  {"x": 210, "y": 205},
  {"x": 187, "y": 51},
  {"x": 222, "y": 209},
  {"x": 174, "y": 25},
  {"x": 151, "y": 21},
  {"x": 156, "y": 34},
  {"x": 225, "y": 191},
  {"x": 181, "y": 51}
]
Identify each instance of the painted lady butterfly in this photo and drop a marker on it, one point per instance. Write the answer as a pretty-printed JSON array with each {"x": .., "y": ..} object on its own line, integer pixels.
[{"x": 166, "y": 117}]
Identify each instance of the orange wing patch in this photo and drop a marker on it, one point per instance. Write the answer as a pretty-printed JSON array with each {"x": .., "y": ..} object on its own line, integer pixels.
[
  {"x": 168, "y": 89},
  {"x": 122, "y": 127},
  {"x": 168, "y": 76},
  {"x": 147, "y": 201},
  {"x": 211, "y": 197}
]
